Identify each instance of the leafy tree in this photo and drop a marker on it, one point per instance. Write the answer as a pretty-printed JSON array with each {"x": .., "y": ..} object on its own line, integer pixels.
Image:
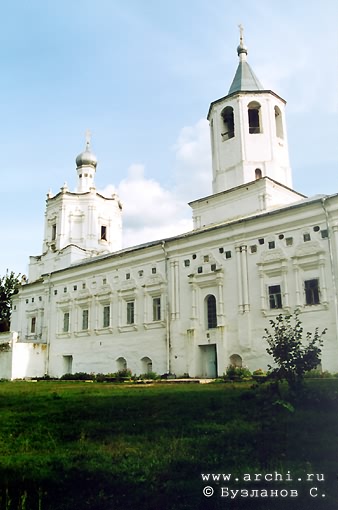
[
  {"x": 9, "y": 285},
  {"x": 292, "y": 355}
]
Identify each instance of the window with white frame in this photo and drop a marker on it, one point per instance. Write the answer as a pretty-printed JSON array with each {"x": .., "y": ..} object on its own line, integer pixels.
[
  {"x": 312, "y": 294},
  {"x": 156, "y": 308},
  {"x": 211, "y": 311},
  {"x": 275, "y": 296},
  {"x": 85, "y": 319},
  {"x": 33, "y": 325},
  {"x": 106, "y": 316},
  {"x": 66, "y": 322},
  {"x": 131, "y": 312}
]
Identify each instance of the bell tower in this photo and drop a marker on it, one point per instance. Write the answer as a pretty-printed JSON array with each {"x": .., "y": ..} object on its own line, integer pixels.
[
  {"x": 79, "y": 224},
  {"x": 248, "y": 132}
]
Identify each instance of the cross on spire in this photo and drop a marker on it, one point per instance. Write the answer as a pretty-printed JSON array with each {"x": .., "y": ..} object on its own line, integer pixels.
[
  {"x": 241, "y": 30},
  {"x": 88, "y": 139}
]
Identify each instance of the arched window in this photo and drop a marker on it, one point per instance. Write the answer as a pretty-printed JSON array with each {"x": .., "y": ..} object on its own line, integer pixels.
[
  {"x": 236, "y": 360},
  {"x": 279, "y": 123},
  {"x": 228, "y": 126},
  {"x": 147, "y": 365},
  {"x": 254, "y": 117},
  {"x": 121, "y": 363},
  {"x": 258, "y": 173},
  {"x": 211, "y": 311}
]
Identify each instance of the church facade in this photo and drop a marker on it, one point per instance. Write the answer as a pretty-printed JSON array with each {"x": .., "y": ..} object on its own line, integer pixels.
[{"x": 194, "y": 303}]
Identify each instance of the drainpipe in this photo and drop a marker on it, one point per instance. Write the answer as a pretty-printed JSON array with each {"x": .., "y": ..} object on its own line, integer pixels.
[
  {"x": 167, "y": 309},
  {"x": 48, "y": 324},
  {"x": 332, "y": 265}
]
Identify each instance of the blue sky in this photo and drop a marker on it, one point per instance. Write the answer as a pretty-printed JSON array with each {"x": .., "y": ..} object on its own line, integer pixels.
[{"x": 140, "y": 74}]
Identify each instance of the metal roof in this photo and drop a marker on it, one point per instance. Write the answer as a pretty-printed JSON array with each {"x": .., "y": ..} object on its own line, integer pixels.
[{"x": 245, "y": 79}]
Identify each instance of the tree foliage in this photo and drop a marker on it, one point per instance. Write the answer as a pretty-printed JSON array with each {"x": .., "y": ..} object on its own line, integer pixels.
[
  {"x": 294, "y": 352},
  {"x": 9, "y": 285}
]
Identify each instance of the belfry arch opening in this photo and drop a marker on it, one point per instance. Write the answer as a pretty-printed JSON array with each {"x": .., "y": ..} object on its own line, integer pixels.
[
  {"x": 279, "y": 123},
  {"x": 228, "y": 125},
  {"x": 254, "y": 117},
  {"x": 258, "y": 174}
]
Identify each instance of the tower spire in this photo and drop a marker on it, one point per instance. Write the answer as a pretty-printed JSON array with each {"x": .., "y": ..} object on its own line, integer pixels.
[
  {"x": 242, "y": 50},
  {"x": 88, "y": 139}
]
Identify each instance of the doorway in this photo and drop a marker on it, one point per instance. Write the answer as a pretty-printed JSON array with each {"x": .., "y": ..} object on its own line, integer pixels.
[{"x": 209, "y": 361}]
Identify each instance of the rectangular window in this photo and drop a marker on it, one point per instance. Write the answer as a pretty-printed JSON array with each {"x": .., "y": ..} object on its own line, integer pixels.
[
  {"x": 33, "y": 325},
  {"x": 130, "y": 312},
  {"x": 312, "y": 292},
  {"x": 66, "y": 322},
  {"x": 156, "y": 309},
  {"x": 103, "y": 233},
  {"x": 106, "y": 316},
  {"x": 85, "y": 317},
  {"x": 275, "y": 296},
  {"x": 54, "y": 232}
]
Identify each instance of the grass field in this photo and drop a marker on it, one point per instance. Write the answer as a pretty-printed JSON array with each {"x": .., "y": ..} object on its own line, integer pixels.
[{"x": 71, "y": 445}]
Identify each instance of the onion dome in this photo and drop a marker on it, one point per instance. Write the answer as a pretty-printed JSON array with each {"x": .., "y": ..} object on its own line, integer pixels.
[{"x": 86, "y": 158}]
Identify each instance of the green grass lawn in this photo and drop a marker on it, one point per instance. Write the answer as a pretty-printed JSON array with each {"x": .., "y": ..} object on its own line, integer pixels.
[{"x": 72, "y": 445}]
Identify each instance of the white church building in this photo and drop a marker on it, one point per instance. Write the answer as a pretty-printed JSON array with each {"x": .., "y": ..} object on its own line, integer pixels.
[{"x": 194, "y": 303}]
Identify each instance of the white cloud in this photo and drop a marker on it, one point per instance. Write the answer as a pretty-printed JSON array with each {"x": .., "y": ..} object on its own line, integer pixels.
[
  {"x": 151, "y": 211},
  {"x": 193, "y": 155}
]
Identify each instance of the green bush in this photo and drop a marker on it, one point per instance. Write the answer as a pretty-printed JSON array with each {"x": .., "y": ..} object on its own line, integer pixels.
[
  {"x": 233, "y": 372},
  {"x": 78, "y": 376},
  {"x": 149, "y": 375}
]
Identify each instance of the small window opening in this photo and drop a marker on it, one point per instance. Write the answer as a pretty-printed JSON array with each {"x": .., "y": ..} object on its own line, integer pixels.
[
  {"x": 289, "y": 241},
  {"x": 85, "y": 317},
  {"x": 258, "y": 174},
  {"x": 130, "y": 312},
  {"x": 200, "y": 269},
  {"x": 156, "y": 309},
  {"x": 261, "y": 240},
  {"x": 33, "y": 325},
  {"x": 66, "y": 322},
  {"x": 228, "y": 123},
  {"x": 271, "y": 245},
  {"x": 316, "y": 228},
  {"x": 253, "y": 248},
  {"x": 279, "y": 123},
  {"x": 106, "y": 316},
  {"x": 187, "y": 263},
  {"x": 306, "y": 237},
  {"x": 254, "y": 118},
  {"x": 103, "y": 233},
  {"x": 324, "y": 233},
  {"x": 54, "y": 232},
  {"x": 228, "y": 254}
]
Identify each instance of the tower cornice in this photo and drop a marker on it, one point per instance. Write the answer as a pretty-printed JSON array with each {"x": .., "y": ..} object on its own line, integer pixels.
[{"x": 242, "y": 93}]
